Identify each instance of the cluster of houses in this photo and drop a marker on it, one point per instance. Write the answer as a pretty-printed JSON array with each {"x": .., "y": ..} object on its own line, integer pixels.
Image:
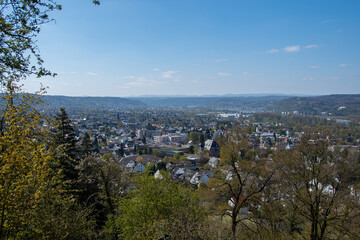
[
  {"x": 129, "y": 139},
  {"x": 134, "y": 142},
  {"x": 185, "y": 172}
]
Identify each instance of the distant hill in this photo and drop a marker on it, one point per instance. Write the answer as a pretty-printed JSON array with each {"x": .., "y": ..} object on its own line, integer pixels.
[
  {"x": 177, "y": 101},
  {"x": 219, "y": 103},
  {"x": 337, "y": 105},
  {"x": 260, "y": 103},
  {"x": 90, "y": 102}
]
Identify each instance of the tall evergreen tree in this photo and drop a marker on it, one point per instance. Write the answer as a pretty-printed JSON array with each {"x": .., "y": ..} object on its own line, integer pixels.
[
  {"x": 96, "y": 145},
  {"x": 207, "y": 134},
  {"x": 87, "y": 146},
  {"x": 64, "y": 136},
  {"x": 202, "y": 139}
]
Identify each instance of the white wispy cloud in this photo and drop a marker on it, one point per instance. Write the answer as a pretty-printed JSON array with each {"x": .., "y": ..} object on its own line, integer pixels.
[
  {"x": 311, "y": 46},
  {"x": 156, "y": 69},
  {"x": 314, "y": 66},
  {"x": 91, "y": 74},
  {"x": 168, "y": 74},
  {"x": 141, "y": 82},
  {"x": 294, "y": 48},
  {"x": 248, "y": 74},
  {"x": 130, "y": 77},
  {"x": 221, "y": 60},
  {"x": 224, "y": 74},
  {"x": 273, "y": 50},
  {"x": 197, "y": 80}
]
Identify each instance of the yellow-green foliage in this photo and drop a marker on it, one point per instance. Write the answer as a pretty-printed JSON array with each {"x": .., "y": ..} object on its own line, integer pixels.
[
  {"x": 27, "y": 180},
  {"x": 158, "y": 209}
]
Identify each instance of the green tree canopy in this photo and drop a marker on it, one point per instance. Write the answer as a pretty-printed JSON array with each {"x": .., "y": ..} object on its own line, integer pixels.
[{"x": 159, "y": 209}]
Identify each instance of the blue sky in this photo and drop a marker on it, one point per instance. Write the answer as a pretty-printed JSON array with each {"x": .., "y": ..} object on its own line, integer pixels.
[{"x": 198, "y": 47}]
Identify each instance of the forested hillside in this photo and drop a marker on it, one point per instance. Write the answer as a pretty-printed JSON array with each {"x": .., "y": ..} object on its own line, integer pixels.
[
  {"x": 219, "y": 103},
  {"x": 245, "y": 103},
  {"x": 90, "y": 102},
  {"x": 338, "y": 105}
]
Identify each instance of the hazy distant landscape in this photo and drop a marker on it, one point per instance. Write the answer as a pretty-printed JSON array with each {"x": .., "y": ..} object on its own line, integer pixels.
[{"x": 327, "y": 105}]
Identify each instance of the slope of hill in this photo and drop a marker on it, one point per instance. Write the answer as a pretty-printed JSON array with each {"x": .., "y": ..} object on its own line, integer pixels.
[
  {"x": 218, "y": 102},
  {"x": 90, "y": 102},
  {"x": 337, "y": 105},
  {"x": 175, "y": 101},
  {"x": 261, "y": 103}
]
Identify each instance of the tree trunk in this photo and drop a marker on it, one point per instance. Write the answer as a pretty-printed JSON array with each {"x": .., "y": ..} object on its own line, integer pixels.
[{"x": 233, "y": 226}]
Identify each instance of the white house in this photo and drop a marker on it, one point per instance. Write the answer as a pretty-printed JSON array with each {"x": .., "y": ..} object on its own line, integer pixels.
[
  {"x": 139, "y": 168},
  {"x": 213, "y": 162}
]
